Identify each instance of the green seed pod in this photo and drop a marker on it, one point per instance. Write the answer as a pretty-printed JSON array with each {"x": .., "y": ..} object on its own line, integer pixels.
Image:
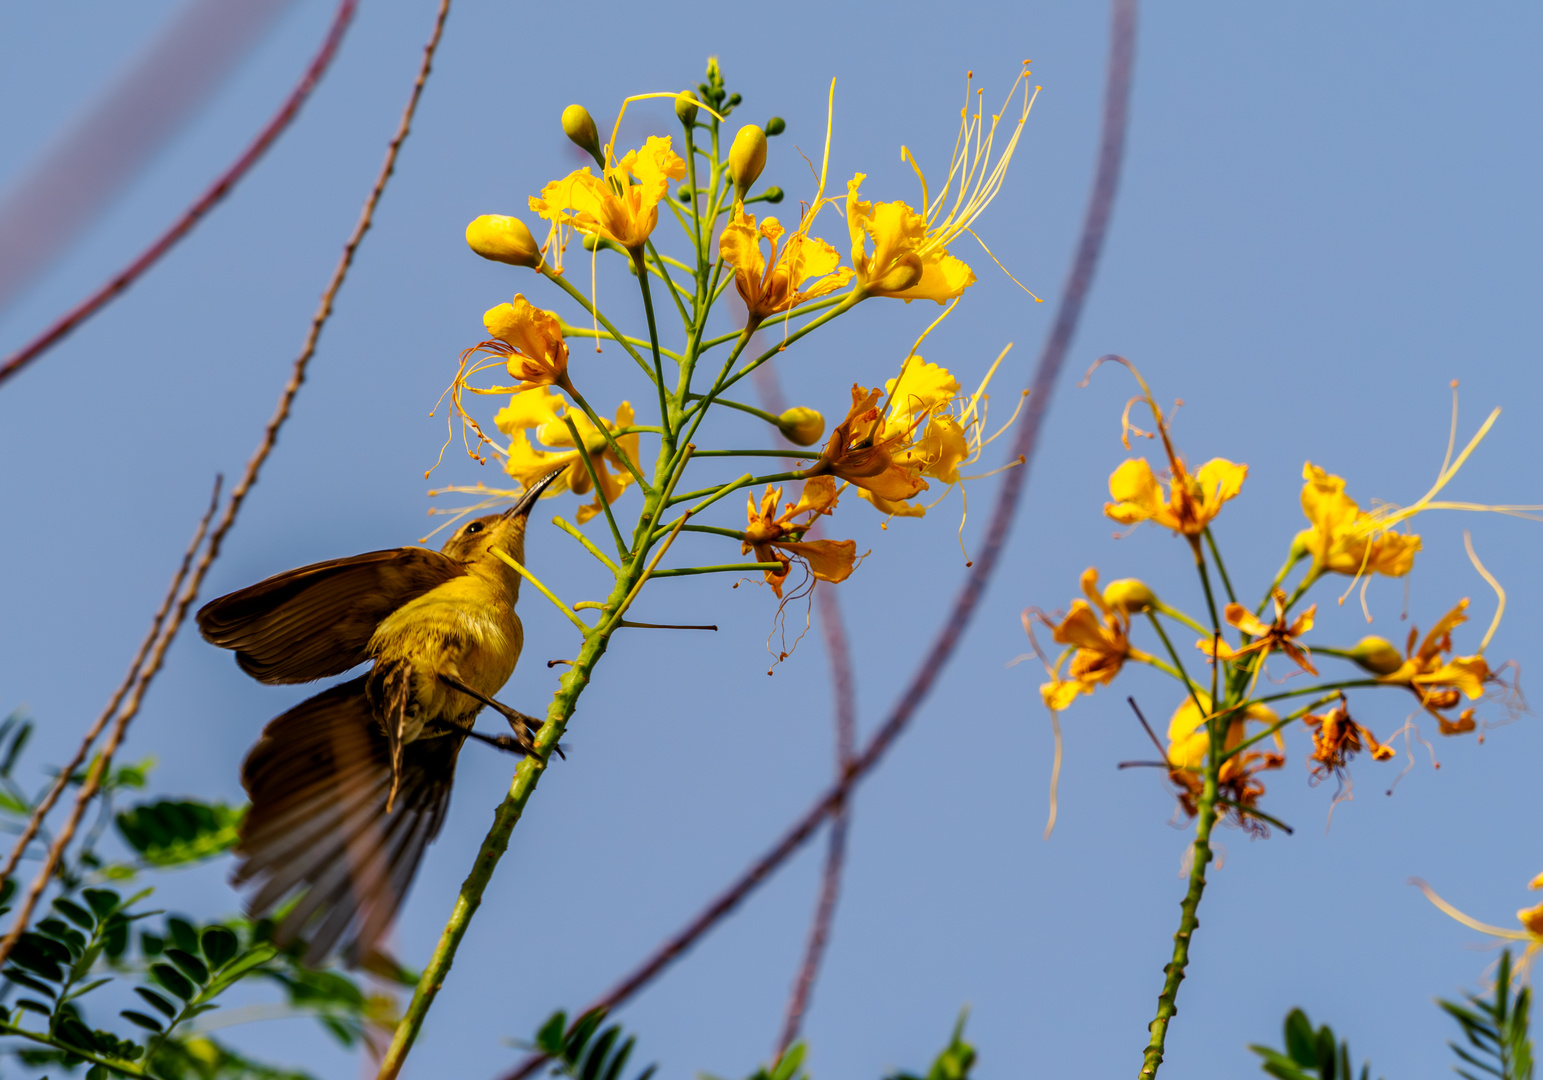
[
  {"x": 579, "y": 126},
  {"x": 503, "y": 239},
  {"x": 686, "y": 107},
  {"x": 747, "y": 157}
]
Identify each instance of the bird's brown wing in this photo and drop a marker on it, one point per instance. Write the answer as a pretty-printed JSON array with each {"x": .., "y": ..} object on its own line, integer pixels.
[
  {"x": 318, "y": 832},
  {"x": 316, "y": 621}
]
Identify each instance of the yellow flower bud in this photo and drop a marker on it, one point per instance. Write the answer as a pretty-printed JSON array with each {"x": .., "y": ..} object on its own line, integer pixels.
[
  {"x": 503, "y": 239},
  {"x": 1377, "y": 655},
  {"x": 685, "y": 107},
  {"x": 579, "y": 126},
  {"x": 803, "y": 427},
  {"x": 747, "y": 157},
  {"x": 1130, "y": 596}
]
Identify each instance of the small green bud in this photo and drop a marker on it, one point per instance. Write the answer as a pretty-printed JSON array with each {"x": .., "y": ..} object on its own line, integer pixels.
[
  {"x": 1129, "y": 595},
  {"x": 734, "y": 99},
  {"x": 503, "y": 239},
  {"x": 579, "y": 126},
  {"x": 747, "y": 157},
  {"x": 686, "y": 107},
  {"x": 1377, "y": 655},
  {"x": 775, "y": 126},
  {"x": 772, "y": 195},
  {"x": 801, "y": 426}
]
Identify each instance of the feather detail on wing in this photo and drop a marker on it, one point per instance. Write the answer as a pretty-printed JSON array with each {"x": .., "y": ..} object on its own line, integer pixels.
[
  {"x": 318, "y": 832},
  {"x": 316, "y": 621}
]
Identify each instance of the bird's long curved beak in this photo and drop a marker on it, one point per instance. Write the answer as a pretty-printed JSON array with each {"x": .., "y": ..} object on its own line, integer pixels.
[{"x": 528, "y": 500}]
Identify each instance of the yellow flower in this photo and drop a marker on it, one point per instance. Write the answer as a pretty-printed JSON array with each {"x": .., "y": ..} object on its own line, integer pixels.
[
  {"x": 544, "y": 411},
  {"x": 1189, "y": 742},
  {"x": 828, "y": 560},
  {"x": 530, "y": 340},
  {"x": 1438, "y": 681},
  {"x": 1100, "y": 634},
  {"x": 860, "y": 451},
  {"x": 1191, "y": 503},
  {"x": 910, "y": 259},
  {"x": 931, "y": 429},
  {"x": 1343, "y": 539},
  {"x": 781, "y": 281},
  {"x": 623, "y": 205},
  {"x": 1278, "y": 636}
]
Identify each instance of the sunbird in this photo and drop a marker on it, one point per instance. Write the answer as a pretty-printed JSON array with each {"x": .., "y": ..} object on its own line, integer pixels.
[{"x": 351, "y": 785}]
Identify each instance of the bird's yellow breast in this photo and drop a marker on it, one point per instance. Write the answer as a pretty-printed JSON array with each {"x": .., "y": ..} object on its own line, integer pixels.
[{"x": 465, "y": 628}]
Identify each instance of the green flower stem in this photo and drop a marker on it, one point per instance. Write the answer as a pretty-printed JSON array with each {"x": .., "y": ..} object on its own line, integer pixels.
[
  {"x": 1167, "y": 1001},
  {"x": 1278, "y": 725},
  {"x": 1301, "y": 590},
  {"x": 703, "y": 402},
  {"x": 744, "y": 481},
  {"x": 1350, "y": 684},
  {"x": 1285, "y": 568},
  {"x": 1205, "y": 579},
  {"x": 751, "y": 453},
  {"x": 562, "y": 282},
  {"x": 1152, "y": 661},
  {"x": 605, "y": 504},
  {"x": 1221, "y": 567},
  {"x": 686, "y": 321},
  {"x": 733, "y": 534},
  {"x": 1172, "y": 652},
  {"x": 695, "y": 232},
  {"x": 1255, "y": 812},
  {"x": 508, "y": 560},
  {"x": 605, "y": 433},
  {"x": 741, "y": 568},
  {"x": 665, "y": 419},
  {"x": 849, "y": 301},
  {"x": 606, "y": 335},
  {"x": 770, "y": 418},
  {"x": 589, "y": 546},
  {"x": 665, "y": 260},
  {"x": 1179, "y": 616}
]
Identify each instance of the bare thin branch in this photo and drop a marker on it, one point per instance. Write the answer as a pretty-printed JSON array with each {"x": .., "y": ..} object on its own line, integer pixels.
[
  {"x": 217, "y": 191},
  {"x": 237, "y": 496}
]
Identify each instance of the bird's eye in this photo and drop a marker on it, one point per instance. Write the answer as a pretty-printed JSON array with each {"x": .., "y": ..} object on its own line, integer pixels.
[{"x": 474, "y": 527}]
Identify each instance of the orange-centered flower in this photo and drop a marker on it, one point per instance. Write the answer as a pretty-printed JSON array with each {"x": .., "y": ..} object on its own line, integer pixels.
[
  {"x": 1099, "y": 632},
  {"x": 1343, "y": 539},
  {"x": 544, "y": 412},
  {"x": 1440, "y": 681},
  {"x": 909, "y": 259},
  {"x": 772, "y": 535},
  {"x": 1191, "y": 502},
  {"x": 623, "y": 205},
  {"x": 784, "y": 278},
  {"x": 1278, "y": 636},
  {"x": 862, "y": 451},
  {"x": 1189, "y": 743}
]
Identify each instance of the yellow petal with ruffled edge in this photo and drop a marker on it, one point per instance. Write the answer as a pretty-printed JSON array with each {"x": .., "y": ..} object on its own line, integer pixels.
[
  {"x": 1220, "y": 480},
  {"x": 922, "y": 388},
  {"x": 892, "y": 507},
  {"x": 529, "y": 409},
  {"x": 829, "y": 560},
  {"x": 1058, "y": 695},
  {"x": 1136, "y": 493}
]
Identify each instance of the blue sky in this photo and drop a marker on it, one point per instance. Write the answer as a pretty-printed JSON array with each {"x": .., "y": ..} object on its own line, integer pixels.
[{"x": 1327, "y": 214}]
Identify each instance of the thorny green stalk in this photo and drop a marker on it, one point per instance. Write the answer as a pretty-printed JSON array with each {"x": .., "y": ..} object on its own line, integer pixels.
[{"x": 681, "y": 413}]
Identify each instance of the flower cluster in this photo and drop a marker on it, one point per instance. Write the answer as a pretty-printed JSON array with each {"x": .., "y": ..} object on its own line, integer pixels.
[
  {"x": 1209, "y": 754},
  {"x": 894, "y": 443}
]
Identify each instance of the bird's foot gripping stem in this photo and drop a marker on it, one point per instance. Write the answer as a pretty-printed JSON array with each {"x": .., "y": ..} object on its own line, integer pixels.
[{"x": 523, "y": 725}]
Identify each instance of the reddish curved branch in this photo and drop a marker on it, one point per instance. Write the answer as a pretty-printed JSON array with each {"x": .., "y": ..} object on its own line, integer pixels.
[
  {"x": 1095, "y": 224},
  {"x": 843, "y": 691},
  {"x": 193, "y": 214}
]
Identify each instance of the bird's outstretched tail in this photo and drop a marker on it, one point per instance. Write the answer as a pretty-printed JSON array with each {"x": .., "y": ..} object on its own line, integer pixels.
[{"x": 318, "y": 832}]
